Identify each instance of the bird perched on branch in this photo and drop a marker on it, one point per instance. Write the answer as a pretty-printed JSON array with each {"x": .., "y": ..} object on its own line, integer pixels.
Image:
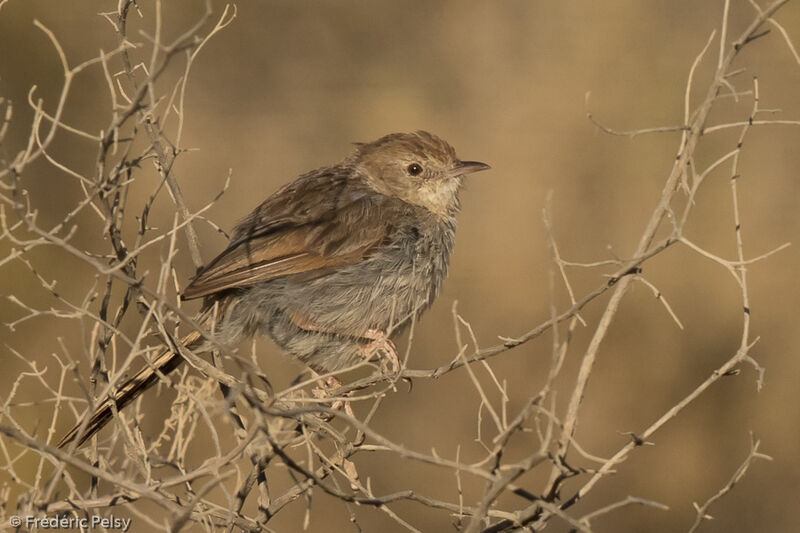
[{"x": 331, "y": 265}]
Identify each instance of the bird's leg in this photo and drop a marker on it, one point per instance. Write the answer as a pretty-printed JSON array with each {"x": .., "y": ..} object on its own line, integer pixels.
[
  {"x": 326, "y": 387},
  {"x": 381, "y": 343}
]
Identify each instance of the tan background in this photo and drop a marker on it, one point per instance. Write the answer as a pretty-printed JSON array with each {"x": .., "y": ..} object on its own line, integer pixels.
[{"x": 289, "y": 85}]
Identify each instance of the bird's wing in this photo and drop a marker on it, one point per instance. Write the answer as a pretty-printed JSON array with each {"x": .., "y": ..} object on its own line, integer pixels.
[{"x": 312, "y": 226}]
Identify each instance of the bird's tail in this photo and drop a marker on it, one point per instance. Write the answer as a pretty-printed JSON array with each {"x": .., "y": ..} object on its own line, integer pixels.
[{"x": 163, "y": 364}]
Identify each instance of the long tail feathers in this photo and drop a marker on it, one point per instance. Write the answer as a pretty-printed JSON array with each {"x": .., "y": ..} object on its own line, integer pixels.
[{"x": 165, "y": 363}]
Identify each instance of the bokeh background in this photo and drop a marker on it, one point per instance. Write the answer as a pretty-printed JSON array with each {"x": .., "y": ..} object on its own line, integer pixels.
[{"x": 289, "y": 85}]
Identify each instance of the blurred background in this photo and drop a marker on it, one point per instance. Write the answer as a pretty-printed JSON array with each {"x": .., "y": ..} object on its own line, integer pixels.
[{"x": 289, "y": 85}]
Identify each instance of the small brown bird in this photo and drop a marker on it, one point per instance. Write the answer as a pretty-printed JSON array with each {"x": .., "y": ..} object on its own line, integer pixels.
[{"x": 331, "y": 265}]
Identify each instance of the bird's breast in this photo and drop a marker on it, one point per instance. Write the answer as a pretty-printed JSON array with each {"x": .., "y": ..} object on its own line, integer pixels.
[{"x": 399, "y": 279}]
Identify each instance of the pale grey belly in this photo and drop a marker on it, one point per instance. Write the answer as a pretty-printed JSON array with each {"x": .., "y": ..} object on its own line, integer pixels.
[{"x": 322, "y": 321}]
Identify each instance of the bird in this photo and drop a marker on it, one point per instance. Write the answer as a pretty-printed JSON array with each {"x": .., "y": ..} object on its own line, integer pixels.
[{"x": 330, "y": 266}]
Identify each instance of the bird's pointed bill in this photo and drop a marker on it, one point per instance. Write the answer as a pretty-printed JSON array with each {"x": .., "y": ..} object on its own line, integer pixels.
[{"x": 468, "y": 167}]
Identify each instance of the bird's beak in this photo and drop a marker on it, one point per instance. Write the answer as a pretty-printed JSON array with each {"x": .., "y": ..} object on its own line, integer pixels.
[{"x": 468, "y": 167}]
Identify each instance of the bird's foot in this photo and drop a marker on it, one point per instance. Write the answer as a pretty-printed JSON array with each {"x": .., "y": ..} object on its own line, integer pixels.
[
  {"x": 325, "y": 391},
  {"x": 381, "y": 344}
]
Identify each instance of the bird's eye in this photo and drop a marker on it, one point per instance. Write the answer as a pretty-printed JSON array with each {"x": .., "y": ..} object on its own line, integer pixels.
[{"x": 415, "y": 169}]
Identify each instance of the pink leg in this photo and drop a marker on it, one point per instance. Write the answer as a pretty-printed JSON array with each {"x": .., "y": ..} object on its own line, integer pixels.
[
  {"x": 381, "y": 343},
  {"x": 324, "y": 390}
]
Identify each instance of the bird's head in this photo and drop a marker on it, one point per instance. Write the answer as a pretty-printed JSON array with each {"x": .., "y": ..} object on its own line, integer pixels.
[{"x": 419, "y": 168}]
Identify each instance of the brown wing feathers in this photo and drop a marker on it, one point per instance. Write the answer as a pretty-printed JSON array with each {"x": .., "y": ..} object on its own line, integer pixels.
[{"x": 263, "y": 250}]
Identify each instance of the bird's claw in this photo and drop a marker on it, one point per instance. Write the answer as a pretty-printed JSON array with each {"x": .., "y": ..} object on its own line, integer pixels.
[
  {"x": 381, "y": 344},
  {"x": 323, "y": 391}
]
